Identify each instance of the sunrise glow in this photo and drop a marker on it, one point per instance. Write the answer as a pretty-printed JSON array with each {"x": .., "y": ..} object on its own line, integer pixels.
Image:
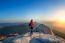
[{"x": 60, "y": 19}]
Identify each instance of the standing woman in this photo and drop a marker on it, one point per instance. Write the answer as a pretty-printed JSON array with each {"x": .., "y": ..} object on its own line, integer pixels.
[{"x": 31, "y": 25}]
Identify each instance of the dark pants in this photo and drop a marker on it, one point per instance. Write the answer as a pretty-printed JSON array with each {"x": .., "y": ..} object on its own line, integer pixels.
[{"x": 31, "y": 31}]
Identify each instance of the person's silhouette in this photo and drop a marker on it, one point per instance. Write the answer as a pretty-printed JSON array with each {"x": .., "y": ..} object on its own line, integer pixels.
[{"x": 31, "y": 25}]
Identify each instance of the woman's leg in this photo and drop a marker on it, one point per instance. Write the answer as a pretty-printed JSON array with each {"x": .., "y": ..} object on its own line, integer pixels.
[{"x": 31, "y": 32}]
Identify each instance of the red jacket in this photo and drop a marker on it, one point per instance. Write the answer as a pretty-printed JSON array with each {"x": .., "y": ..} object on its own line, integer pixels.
[{"x": 31, "y": 24}]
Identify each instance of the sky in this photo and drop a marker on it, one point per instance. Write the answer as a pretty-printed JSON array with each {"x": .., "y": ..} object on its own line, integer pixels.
[{"x": 24, "y": 10}]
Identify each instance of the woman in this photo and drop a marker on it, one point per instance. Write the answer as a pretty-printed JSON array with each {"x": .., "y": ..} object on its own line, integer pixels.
[{"x": 31, "y": 25}]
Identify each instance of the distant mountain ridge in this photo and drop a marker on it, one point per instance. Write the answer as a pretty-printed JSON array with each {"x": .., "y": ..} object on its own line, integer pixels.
[{"x": 13, "y": 28}]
